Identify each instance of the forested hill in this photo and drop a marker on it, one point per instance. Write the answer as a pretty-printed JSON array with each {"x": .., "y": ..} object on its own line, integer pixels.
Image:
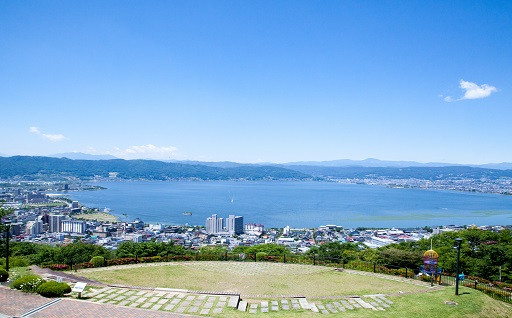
[{"x": 137, "y": 169}]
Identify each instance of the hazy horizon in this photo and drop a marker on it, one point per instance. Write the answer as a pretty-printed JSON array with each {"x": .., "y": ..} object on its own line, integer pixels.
[{"x": 85, "y": 156}]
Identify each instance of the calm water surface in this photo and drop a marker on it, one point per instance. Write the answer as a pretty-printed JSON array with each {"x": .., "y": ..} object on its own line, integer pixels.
[{"x": 298, "y": 204}]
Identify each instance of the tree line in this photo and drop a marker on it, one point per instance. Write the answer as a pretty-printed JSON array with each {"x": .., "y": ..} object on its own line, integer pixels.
[{"x": 484, "y": 254}]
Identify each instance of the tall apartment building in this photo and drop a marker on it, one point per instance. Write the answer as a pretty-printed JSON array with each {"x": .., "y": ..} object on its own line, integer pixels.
[
  {"x": 73, "y": 226},
  {"x": 214, "y": 224},
  {"x": 235, "y": 224},
  {"x": 34, "y": 227},
  {"x": 55, "y": 222}
]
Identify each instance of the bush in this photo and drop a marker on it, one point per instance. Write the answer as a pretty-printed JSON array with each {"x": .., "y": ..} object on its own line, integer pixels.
[
  {"x": 28, "y": 284},
  {"x": 84, "y": 265},
  {"x": 122, "y": 261},
  {"x": 260, "y": 256},
  {"x": 59, "y": 267},
  {"x": 4, "y": 275},
  {"x": 53, "y": 289},
  {"x": 98, "y": 261},
  {"x": 16, "y": 261}
]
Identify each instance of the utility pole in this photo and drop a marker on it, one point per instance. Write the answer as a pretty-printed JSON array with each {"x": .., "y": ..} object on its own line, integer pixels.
[
  {"x": 458, "y": 242},
  {"x": 7, "y": 237}
]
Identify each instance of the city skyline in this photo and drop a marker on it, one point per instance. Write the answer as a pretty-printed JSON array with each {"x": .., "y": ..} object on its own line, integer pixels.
[{"x": 257, "y": 82}]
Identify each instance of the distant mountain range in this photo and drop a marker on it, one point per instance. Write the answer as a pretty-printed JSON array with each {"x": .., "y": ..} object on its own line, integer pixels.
[
  {"x": 368, "y": 163},
  {"x": 371, "y": 162},
  {"x": 82, "y": 156},
  {"x": 138, "y": 169},
  {"x": 160, "y": 170}
]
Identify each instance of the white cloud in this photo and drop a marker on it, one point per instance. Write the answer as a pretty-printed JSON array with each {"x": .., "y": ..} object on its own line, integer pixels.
[
  {"x": 34, "y": 130},
  {"x": 473, "y": 91},
  {"x": 50, "y": 137},
  {"x": 148, "y": 151}
]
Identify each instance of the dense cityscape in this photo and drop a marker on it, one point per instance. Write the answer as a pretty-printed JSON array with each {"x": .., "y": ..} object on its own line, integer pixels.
[{"x": 43, "y": 214}]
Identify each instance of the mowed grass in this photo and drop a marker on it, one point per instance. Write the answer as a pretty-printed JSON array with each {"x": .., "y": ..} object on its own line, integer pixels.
[
  {"x": 250, "y": 279},
  {"x": 100, "y": 216},
  {"x": 471, "y": 304}
]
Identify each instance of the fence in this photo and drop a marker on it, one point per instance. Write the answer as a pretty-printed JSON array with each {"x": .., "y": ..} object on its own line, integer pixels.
[{"x": 491, "y": 290}]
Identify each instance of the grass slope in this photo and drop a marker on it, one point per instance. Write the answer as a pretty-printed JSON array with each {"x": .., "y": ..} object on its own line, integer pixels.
[
  {"x": 471, "y": 304},
  {"x": 250, "y": 279}
]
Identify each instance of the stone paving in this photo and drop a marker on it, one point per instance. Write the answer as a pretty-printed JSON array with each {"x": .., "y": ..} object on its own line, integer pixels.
[
  {"x": 14, "y": 303},
  {"x": 206, "y": 304},
  {"x": 164, "y": 300},
  {"x": 367, "y": 302}
]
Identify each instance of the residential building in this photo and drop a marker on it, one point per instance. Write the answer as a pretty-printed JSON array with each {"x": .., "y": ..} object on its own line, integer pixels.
[
  {"x": 73, "y": 226},
  {"x": 235, "y": 224},
  {"x": 55, "y": 222}
]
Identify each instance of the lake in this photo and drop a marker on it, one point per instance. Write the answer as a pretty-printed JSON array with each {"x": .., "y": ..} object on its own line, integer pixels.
[{"x": 298, "y": 204}]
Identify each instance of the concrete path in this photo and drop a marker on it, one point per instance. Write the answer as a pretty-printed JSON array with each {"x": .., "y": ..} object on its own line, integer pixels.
[{"x": 18, "y": 304}]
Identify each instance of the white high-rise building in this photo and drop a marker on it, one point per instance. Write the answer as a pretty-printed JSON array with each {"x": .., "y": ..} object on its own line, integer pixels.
[
  {"x": 54, "y": 222},
  {"x": 34, "y": 227},
  {"x": 235, "y": 224},
  {"x": 73, "y": 226},
  {"x": 214, "y": 224}
]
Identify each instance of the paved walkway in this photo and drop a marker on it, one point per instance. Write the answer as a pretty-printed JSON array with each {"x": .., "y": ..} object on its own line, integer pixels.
[
  {"x": 66, "y": 276},
  {"x": 14, "y": 303}
]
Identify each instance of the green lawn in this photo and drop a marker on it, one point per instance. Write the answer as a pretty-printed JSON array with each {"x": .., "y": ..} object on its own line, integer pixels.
[
  {"x": 471, "y": 304},
  {"x": 99, "y": 216},
  {"x": 250, "y": 279}
]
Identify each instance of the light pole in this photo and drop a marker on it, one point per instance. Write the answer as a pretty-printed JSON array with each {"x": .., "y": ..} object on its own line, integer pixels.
[
  {"x": 8, "y": 234},
  {"x": 458, "y": 242}
]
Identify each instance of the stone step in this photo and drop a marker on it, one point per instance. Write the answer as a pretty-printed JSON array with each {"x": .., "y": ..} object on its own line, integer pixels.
[
  {"x": 242, "y": 306},
  {"x": 233, "y": 301}
]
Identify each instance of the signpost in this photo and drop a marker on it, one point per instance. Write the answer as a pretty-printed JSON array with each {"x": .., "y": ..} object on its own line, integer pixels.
[{"x": 79, "y": 288}]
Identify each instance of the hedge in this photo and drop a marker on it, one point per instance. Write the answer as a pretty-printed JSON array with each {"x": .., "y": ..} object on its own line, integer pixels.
[
  {"x": 28, "y": 283},
  {"x": 53, "y": 289}
]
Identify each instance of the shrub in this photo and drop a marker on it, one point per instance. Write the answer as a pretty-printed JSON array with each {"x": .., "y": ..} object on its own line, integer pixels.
[
  {"x": 84, "y": 265},
  {"x": 260, "y": 256},
  {"x": 121, "y": 261},
  {"x": 16, "y": 261},
  {"x": 58, "y": 267},
  {"x": 53, "y": 289},
  {"x": 28, "y": 283},
  {"x": 4, "y": 275},
  {"x": 98, "y": 261}
]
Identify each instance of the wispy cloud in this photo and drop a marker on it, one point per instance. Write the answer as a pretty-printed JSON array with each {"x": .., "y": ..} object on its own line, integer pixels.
[
  {"x": 472, "y": 91},
  {"x": 50, "y": 137},
  {"x": 148, "y": 151}
]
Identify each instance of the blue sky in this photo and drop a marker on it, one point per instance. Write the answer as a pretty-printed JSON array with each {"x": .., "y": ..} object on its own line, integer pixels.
[{"x": 254, "y": 81}]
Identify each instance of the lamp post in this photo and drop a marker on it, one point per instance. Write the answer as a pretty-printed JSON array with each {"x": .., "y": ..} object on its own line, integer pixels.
[
  {"x": 458, "y": 242},
  {"x": 8, "y": 234}
]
